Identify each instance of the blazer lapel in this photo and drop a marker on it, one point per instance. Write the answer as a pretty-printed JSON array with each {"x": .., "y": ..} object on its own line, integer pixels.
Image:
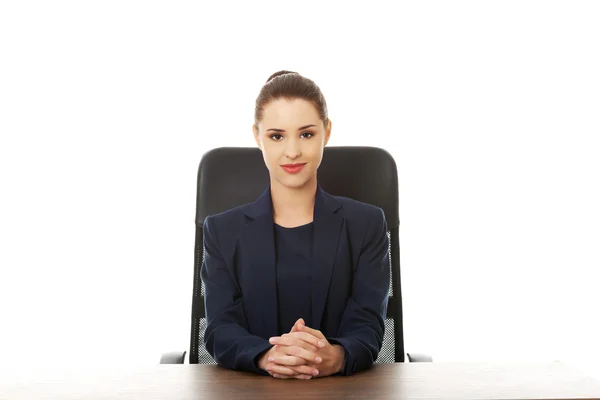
[
  {"x": 327, "y": 227},
  {"x": 259, "y": 240}
]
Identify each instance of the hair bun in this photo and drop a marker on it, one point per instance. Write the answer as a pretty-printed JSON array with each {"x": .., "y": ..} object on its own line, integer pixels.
[{"x": 279, "y": 73}]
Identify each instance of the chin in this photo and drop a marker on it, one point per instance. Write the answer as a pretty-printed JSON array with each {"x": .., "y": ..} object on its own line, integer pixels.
[{"x": 294, "y": 182}]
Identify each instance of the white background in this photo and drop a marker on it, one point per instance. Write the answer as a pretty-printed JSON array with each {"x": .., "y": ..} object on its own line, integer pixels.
[{"x": 491, "y": 109}]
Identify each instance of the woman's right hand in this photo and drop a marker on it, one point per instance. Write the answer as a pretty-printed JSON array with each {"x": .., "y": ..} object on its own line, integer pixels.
[
  {"x": 300, "y": 368},
  {"x": 297, "y": 361}
]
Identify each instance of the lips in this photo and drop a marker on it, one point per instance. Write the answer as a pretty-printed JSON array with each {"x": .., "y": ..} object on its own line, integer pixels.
[{"x": 293, "y": 168}]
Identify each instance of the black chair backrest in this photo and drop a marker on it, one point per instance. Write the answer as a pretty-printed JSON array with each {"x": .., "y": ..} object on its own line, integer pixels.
[{"x": 232, "y": 176}]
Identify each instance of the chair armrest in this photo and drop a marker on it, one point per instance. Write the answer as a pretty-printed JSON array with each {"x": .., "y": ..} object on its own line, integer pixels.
[
  {"x": 175, "y": 357},
  {"x": 419, "y": 357}
]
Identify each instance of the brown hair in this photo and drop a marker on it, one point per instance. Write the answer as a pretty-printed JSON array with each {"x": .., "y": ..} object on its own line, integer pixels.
[{"x": 290, "y": 85}]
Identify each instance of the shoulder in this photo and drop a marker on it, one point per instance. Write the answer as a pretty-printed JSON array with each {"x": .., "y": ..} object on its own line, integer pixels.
[
  {"x": 224, "y": 221},
  {"x": 359, "y": 212}
]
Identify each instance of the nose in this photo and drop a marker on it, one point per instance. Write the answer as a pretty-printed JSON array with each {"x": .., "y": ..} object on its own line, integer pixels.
[{"x": 293, "y": 150}]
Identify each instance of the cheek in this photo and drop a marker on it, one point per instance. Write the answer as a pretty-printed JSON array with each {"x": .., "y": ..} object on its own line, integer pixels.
[
  {"x": 270, "y": 154},
  {"x": 315, "y": 150}
]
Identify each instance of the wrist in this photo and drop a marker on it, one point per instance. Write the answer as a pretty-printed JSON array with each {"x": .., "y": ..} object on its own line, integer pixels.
[{"x": 341, "y": 358}]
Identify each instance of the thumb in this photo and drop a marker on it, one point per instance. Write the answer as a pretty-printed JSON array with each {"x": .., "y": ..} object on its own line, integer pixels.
[{"x": 295, "y": 327}]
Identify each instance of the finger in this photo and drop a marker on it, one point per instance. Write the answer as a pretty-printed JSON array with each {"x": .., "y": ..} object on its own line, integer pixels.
[
  {"x": 292, "y": 370},
  {"x": 295, "y": 328},
  {"x": 294, "y": 350},
  {"x": 303, "y": 336},
  {"x": 312, "y": 331},
  {"x": 299, "y": 376},
  {"x": 287, "y": 340},
  {"x": 296, "y": 342},
  {"x": 288, "y": 371},
  {"x": 273, "y": 369},
  {"x": 310, "y": 356},
  {"x": 288, "y": 360},
  {"x": 306, "y": 370}
]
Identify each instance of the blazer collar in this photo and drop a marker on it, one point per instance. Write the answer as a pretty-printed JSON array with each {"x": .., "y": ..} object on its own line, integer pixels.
[{"x": 324, "y": 204}]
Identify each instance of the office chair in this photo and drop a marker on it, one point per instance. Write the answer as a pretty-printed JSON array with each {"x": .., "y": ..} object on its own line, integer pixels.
[{"x": 232, "y": 176}]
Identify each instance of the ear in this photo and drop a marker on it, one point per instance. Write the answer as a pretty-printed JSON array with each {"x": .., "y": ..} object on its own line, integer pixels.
[
  {"x": 256, "y": 138},
  {"x": 327, "y": 132}
]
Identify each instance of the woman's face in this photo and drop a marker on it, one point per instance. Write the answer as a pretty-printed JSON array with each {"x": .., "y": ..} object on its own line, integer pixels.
[{"x": 292, "y": 136}]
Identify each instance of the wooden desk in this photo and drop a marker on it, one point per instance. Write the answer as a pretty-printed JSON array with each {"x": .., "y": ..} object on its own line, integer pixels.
[{"x": 388, "y": 381}]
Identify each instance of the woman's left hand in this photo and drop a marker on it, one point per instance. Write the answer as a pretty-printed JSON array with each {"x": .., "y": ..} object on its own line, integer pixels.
[{"x": 332, "y": 356}]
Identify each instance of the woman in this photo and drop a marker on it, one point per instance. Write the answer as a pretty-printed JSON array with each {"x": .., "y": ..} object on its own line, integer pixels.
[{"x": 296, "y": 282}]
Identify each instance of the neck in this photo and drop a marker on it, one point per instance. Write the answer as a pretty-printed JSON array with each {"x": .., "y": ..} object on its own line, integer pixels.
[{"x": 293, "y": 205}]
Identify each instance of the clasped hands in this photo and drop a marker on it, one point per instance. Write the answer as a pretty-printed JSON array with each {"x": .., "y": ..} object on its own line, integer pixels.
[{"x": 303, "y": 353}]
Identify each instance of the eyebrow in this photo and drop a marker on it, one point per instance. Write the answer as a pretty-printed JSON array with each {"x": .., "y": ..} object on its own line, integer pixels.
[{"x": 283, "y": 130}]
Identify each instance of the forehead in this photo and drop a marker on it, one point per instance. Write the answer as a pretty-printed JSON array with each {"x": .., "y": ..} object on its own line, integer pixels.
[{"x": 292, "y": 113}]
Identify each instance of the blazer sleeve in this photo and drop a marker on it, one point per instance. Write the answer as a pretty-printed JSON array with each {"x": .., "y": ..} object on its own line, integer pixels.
[
  {"x": 226, "y": 337},
  {"x": 362, "y": 326}
]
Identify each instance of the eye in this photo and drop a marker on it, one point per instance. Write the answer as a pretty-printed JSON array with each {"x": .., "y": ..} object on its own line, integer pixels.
[
  {"x": 276, "y": 136},
  {"x": 307, "y": 135}
]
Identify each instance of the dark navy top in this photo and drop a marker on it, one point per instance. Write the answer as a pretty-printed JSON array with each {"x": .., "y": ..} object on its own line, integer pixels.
[{"x": 293, "y": 248}]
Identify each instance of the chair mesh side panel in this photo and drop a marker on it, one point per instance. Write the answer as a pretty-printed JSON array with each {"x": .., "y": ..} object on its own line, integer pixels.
[
  {"x": 387, "y": 352},
  {"x": 200, "y": 266},
  {"x": 389, "y": 235},
  {"x": 197, "y": 307},
  {"x": 203, "y": 356}
]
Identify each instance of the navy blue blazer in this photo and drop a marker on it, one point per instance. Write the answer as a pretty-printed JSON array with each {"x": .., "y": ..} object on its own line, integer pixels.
[{"x": 350, "y": 280}]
